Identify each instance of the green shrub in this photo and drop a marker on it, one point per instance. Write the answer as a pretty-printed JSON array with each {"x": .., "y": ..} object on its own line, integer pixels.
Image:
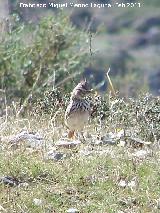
[{"x": 34, "y": 58}]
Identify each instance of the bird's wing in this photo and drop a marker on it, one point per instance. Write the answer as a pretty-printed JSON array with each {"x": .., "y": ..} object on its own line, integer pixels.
[{"x": 70, "y": 109}]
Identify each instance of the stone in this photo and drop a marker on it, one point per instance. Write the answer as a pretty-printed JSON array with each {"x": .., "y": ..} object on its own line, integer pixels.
[
  {"x": 52, "y": 155},
  {"x": 140, "y": 154},
  {"x": 109, "y": 139},
  {"x": 122, "y": 183},
  {"x": 10, "y": 181},
  {"x": 24, "y": 185},
  {"x": 72, "y": 210},
  {"x": 121, "y": 143},
  {"x": 37, "y": 202},
  {"x": 67, "y": 143},
  {"x": 28, "y": 139}
]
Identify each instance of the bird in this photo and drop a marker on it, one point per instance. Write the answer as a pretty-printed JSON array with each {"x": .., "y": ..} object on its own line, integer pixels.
[{"x": 78, "y": 111}]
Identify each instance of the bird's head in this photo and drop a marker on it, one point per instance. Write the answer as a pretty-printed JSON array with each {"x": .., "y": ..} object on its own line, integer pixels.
[{"x": 81, "y": 90}]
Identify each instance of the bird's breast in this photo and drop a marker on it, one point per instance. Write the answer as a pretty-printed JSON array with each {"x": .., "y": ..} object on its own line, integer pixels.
[{"x": 77, "y": 115}]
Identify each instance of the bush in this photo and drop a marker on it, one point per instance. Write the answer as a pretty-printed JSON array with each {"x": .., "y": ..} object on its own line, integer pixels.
[{"x": 35, "y": 58}]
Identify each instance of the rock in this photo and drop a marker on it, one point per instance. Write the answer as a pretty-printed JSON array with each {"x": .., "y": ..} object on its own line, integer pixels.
[
  {"x": 111, "y": 138},
  {"x": 37, "y": 202},
  {"x": 98, "y": 142},
  {"x": 137, "y": 142},
  {"x": 128, "y": 202},
  {"x": 10, "y": 181},
  {"x": 132, "y": 184},
  {"x": 121, "y": 143},
  {"x": 72, "y": 210},
  {"x": 24, "y": 185},
  {"x": 108, "y": 141},
  {"x": 119, "y": 134},
  {"x": 52, "y": 155},
  {"x": 122, "y": 183},
  {"x": 67, "y": 143},
  {"x": 140, "y": 154},
  {"x": 28, "y": 139}
]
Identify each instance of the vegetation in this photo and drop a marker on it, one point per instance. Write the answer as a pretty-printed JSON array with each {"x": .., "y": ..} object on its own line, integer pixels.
[
  {"x": 105, "y": 173},
  {"x": 115, "y": 168},
  {"x": 36, "y": 57}
]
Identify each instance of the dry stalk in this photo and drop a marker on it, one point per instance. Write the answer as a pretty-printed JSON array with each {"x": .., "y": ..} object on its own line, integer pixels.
[{"x": 110, "y": 83}]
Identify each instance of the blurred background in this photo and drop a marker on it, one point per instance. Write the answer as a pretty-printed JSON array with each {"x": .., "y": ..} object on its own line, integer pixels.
[{"x": 45, "y": 48}]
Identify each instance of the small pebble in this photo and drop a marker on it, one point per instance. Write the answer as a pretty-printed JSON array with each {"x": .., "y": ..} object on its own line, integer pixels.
[
  {"x": 122, "y": 183},
  {"x": 72, "y": 210},
  {"x": 132, "y": 184},
  {"x": 52, "y": 155},
  {"x": 67, "y": 144},
  {"x": 121, "y": 143},
  {"x": 25, "y": 185},
  {"x": 37, "y": 202},
  {"x": 108, "y": 139}
]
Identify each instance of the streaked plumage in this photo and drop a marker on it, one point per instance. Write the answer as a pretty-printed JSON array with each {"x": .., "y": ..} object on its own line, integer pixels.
[{"x": 78, "y": 110}]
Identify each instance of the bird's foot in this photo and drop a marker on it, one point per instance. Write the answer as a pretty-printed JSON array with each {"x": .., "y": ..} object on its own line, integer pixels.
[{"x": 71, "y": 134}]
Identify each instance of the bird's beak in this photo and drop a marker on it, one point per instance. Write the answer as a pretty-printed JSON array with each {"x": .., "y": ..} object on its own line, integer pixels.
[
  {"x": 92, "y": 90},
  {"x": 95, "y": 93}
]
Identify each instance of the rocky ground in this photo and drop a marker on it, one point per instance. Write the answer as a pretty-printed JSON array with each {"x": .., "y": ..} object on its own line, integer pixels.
[{"x": 112, "y": 167}]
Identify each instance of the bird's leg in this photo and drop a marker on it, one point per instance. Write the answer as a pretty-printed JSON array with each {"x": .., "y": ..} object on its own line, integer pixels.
[{"x": 71, "y": 134}]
